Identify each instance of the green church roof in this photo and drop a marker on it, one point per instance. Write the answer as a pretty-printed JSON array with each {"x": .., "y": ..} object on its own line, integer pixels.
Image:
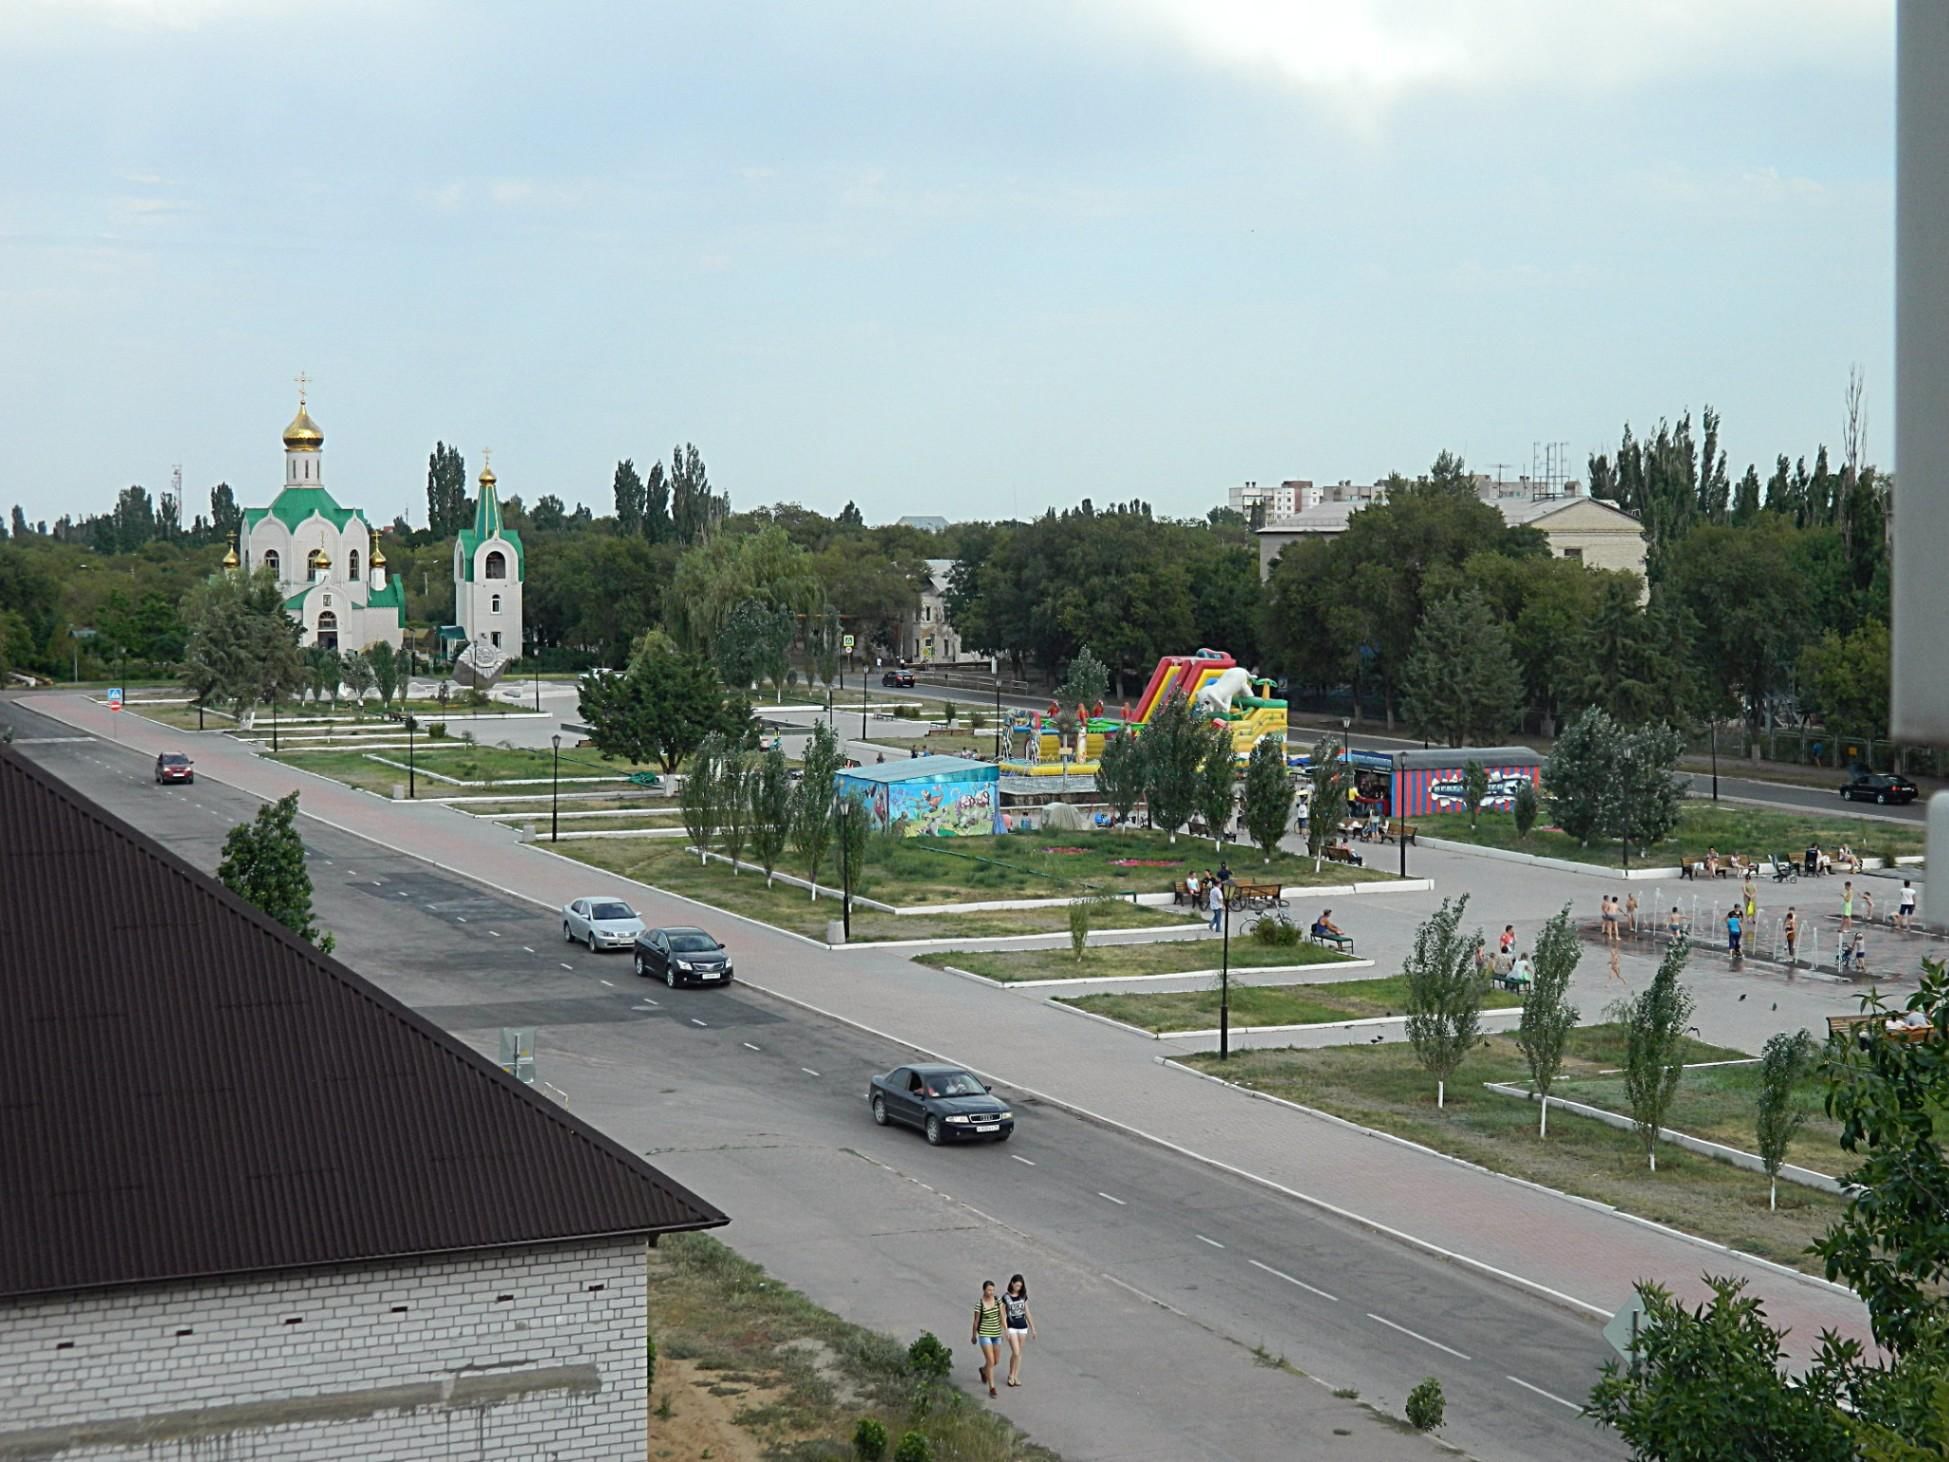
[{"x": 295, "y": 504}]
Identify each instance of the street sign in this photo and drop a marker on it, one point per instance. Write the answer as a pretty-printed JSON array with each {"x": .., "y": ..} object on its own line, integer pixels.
[
  {"x": 1623, "y": 1327},
  {"x": 518, "y": 1053},
  {"x": 115, "y": 698},
  {"x": 846, "y": 643}
]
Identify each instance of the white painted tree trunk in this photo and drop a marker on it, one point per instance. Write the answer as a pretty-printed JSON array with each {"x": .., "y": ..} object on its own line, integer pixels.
[
  {"x": 1543, "y": 1123},
  {"x": 1441, "y": 1094},
  {"x": 1772, "y": 1194},
  {"x": 1653, "y": 1155}
]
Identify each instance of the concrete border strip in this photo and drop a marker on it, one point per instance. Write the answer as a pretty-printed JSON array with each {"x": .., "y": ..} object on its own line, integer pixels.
[
  {"x": 1241, "y": 1030},
  {"x": 1211, "y": 974}
]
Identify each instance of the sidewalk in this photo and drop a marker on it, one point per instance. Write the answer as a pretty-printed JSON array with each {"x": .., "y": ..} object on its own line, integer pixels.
[{"x": 1579, "y": 1253}]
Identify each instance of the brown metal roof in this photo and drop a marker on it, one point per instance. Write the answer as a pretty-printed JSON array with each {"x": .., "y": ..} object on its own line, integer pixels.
[{"x": 186, "y": 1089}]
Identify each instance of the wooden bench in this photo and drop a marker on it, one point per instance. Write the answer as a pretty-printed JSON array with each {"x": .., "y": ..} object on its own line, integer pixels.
[
  {"x": 1181, "y": 892},
  {"x": 1692, "y": 867},
  {"x": 1241, "y": 895},
  {"x": 1508, "y": 981},
  {"x": 1397, "y": 831},
  {"x": 1341, "y": 942},
  {"x": 1341, "y": 853},
  {"x": 1843, "y": 1025}
]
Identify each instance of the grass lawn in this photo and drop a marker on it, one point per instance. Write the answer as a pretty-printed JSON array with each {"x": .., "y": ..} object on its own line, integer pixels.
[
  {"x": 1718, "y": 1104},
  {"x": 451, "y": 757},
  {"x": 1753, "y": 831},
  {"x": 1192, "y": 1010},
  {"x": 1383, "y": 1086},
  {"x": 183, "y": 718},
  {"x": 748, "y": 1367},
  {"x": 1169, "y": 957},
  {"x": 664, "y": 863},
  {"x": 599, "y": 800},
  {"x": 1063, "y": 865}
]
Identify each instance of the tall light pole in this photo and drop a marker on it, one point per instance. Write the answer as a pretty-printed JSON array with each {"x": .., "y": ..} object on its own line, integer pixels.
[
  {"x": 1225, "y": 981},
  {"x": 1712, "y": 739},
  {"x": 1400, "y": 812},
  {"x": 862, "y": 703},
  {"x": 555, "y": 794},
  {"x": 845, "y": 813},
  {"x": 1353, "y": 774},
  {"x": 412, "y": 773},
  {"x": 998, "y": 715}
]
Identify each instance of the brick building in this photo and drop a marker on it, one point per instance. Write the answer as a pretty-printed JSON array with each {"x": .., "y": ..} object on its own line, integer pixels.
[{"x": 256, "y": 1208}]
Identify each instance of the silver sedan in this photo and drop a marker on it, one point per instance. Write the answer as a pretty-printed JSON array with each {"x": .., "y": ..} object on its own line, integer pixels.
[{"x": 600, "y": 924}]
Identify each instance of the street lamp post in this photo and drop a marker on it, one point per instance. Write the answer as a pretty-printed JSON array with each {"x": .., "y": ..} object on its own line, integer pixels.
[
  {"x": 862, "y": 703},
  {"x": 845, "y": 869},
  {"x": 998, "y": 717},
  {"x": 1346, "y": 755},
  {"x": 1225, "y": 983},
  {"x": 555, "y": 794},
  {"x": 274, "y": 699},
  {"x": 412, "y": 772},
  {"x": 1400, "y": 813},
  {"x": 537, "y": 682},
  {"x": 1712, "y": 740}
]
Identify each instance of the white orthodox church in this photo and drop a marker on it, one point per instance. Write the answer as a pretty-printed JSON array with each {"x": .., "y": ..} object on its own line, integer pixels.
[
  {"x": 488, "y": 572},
  {"x": 327, "y": 559}
]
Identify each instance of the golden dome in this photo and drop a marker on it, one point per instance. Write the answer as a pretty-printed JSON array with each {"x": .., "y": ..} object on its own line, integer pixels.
[
  {"x": 320, "y": 559},
  {"x": 487, "y": 477},
  {"x": 230, "y": 559},
  {"x": 378, "y": 556},
  {"x": 304, "y": 434}
]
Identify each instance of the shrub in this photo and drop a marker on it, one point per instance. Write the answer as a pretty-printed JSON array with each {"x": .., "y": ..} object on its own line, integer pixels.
[
  {"x": 913, "y": 1448},
  {"x": 869, "y": 1440},
  {"x": 928, "y": 1359},
  {"x": 977, "y": 720},
  {"x": 947, "y": 713},
  {"x": 1525, "y": 808},
  {"x": 437, "y": 730},
  {"x": 1425, "y": 1406},
  {"x": 906, "y": 713},
  {"x": 1079, "y": 925},
  {"x": 1277, "y": 931},
  {"x": 649, "y": 1364}
]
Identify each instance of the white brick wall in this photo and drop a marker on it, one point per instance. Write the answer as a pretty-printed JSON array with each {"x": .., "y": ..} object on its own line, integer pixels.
[{"x": 516, "y": 1354}]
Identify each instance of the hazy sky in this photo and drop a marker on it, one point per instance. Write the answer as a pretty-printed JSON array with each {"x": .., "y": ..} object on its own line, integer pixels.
[{"x": 934, "y": 255}]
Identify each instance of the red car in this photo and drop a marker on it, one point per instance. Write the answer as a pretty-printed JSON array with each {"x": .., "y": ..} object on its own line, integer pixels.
[
  {"x": 173, "y": 766},
  {"x": 898, "y": 679}
]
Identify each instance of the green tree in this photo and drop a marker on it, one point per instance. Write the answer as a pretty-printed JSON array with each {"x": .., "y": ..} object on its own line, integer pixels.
[
  {"x": 694, "y": 510},
  {"x": 1121, "y": 774},
  {"x": 661, "y": 709},
  {"x": 1846, "y": 679},
  {"x": 1644, "y": 791},
  {"x": 751, "y": 645},
  {"x": 1328, "y": 779},
  {"x": 1475, "y": 788},
  {"x": 384, "y": 663},
  {"x": 627, "y": 485},
  {"x": 1784, "y": 1061},
  {"x": 1741, "y": 590},
  {"x": 714, "y": 578},
  {"x": 852, "y": 823},
  {"x": 359, "y": 678},
  {"x": 226, "y": 518},
  {"x": 1548, "y": 1018},
  {"x": 1444, "y": 994},
  {"x": 1268, "y": 794},
  {"x": 1460, "y": 683},
  {"x": 770, "y": 794},
  {"x": 699, "y": 794},
  {"x": 1577, "y": 774},
  {"x": 324, "y": 672},
  {"x": 1654, "y": 1048},
  {"x": 1217, "y": 782},
  {"x": 733, "y": 798},
  {"x": 243, "y": 648},
  {"x": 657, "y": 526},
  {"x": 1174, "y": 751},
  {"x": 264, "y": 865},
  {"x": 812, "y": 800},
  {"x": 1523, "y": 808},
  {"x": 446, "y": 491},
  {"x": 1085, "y": 682}
]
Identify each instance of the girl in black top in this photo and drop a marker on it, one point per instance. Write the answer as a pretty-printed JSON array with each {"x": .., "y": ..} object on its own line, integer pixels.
[{"x": 1021, "y": 1324}]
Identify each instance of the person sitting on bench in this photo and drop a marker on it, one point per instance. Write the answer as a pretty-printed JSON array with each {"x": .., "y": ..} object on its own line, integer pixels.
[{"x": 1325, "y": 930}]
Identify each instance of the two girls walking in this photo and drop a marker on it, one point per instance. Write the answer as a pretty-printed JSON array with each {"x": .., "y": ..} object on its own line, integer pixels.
[{"x": 1000, "y": 1317}]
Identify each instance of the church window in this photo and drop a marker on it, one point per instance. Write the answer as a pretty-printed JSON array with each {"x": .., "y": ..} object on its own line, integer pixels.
[
  {"x": 352, "y": 566},
  {"x": 497, "y": 604},
  {"x": 496, "y": 637},
  {"x": 497, "y": 565},
  {"x": 271, "y": 562}
]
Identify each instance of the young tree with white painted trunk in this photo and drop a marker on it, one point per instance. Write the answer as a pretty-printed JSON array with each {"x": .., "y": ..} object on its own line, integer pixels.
[
  {"x": 812, "y": 817},
  {"x": 1444, "y": 994},
  {"x": 1784, "y": 1061},
  {"x": 1655, "y": 1021},
  {"x": 733, "y": 804},
  {"x": 769, "y": 792},
  {"x": 1547, "y": 1019},
  {"x": 698, "y": 797},
  {"x": 1268, "y": 794}
]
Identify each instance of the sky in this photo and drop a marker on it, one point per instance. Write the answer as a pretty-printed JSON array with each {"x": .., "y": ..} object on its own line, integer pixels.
[{"x": 950, "y": 258}]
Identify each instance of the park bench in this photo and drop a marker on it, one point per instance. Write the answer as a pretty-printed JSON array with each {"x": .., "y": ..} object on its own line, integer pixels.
[
  {"x": 1181, "y": 892},
  {"x": 645, "y": 779},
  {"x": 1240, "y": 895},
  {"x": 1341, "y": 942},
  {"x": 1341, "y": 853},
  {"x": 1507, "y": 981},
  {"x": 1693, "y": 867},
  {"x": 1397, "y": 831},
  {"x": 1870, "y": 1021}
]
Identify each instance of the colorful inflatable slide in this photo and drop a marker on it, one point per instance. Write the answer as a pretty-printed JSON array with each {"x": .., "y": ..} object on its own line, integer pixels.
[{"x": 1217, "y": 685}]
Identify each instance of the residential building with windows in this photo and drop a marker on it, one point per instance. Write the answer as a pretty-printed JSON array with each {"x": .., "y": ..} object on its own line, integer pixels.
[{"x": 925, "y": 635}]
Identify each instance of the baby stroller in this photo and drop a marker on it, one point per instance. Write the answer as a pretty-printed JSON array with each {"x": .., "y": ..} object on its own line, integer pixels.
[{"x": 1784, "y": 870}]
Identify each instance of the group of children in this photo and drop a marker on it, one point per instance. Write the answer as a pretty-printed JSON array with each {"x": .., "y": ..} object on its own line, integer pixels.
[{"x": 1851, "y": 953}]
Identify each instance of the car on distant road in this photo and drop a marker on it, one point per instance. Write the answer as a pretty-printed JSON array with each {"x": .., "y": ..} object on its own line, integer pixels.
[
  {"x": 944, "y": 1102},
  {"x": 898, "y": 679},
  {"x": 1879, "y": 787},
  {"x": 173, "y": 766},
  {"x": 600, "y": 924},
  {"x": 682, "y": 956}
]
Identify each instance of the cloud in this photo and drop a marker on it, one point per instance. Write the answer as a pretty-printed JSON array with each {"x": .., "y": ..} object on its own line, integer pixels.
[{"x": 1360, "y": 55}]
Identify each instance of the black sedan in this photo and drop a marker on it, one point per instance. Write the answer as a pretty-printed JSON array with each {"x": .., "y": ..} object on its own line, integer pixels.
[
  {"x": 1879, "y": 787},
  {"x": 682, "y": 956},
  {"x": 898, "y": 679},
  {"x": 946, "y": 1103}
]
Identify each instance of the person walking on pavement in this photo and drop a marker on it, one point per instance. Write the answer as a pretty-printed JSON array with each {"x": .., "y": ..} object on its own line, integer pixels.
[
  {"x": 1905, "y": 914},
  {"x": 987, "y": 1332},
  {"x": 1608, "y": 916},
  {"x": 1847, "y": 906},
  {"x": 1750, "y": 891},
  {"x": 1790, "y": 928},
  {"x": 1215, "y": 901},
  {"x": 1021, "y": 1324},
  {"x": 1631, "y": 911},
  {"x": 1733, "y": 932}
]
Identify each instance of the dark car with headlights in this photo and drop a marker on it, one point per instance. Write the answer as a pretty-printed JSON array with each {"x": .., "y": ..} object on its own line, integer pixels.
[
  {"x": 944, "y": 1102},
  {"x": 173, "y": 766},
  {"x": 682, "y": 956},
  {"x": 898, "y": 679},
  {"x": 1879, "y": 787}
]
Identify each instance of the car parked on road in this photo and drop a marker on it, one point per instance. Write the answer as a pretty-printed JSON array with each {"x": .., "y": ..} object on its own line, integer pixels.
[
  {"x": 944, "y": 1102},
  {"x": 1879, "y": 787},
  {"x": 173, "y": 766},
  {"x": 898, "y": 679},
  {"x": 681, "y": 955},
  {"x": 600, "y": 923}
]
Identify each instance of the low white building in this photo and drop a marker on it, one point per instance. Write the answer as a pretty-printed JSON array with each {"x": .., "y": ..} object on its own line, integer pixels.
[
  {"x": 256, "y": 1208},
  {"x": 328, "y": 561}
]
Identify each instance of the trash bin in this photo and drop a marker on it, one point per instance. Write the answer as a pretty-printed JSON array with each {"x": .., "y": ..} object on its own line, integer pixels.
[{"x": 835, "y": 931}]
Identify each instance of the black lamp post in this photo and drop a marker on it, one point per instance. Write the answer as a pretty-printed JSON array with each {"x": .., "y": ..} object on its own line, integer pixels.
[
  {"x": 1712, "y": 740},
  {"x": 1225, "y": 981},
  {"x": 555, "y": 794},
  {"x": 412, "y": 772},
  {"x": 998, "y": 716},
  {"x": 1346, "y": 753},
  {"x": 845, "y": 868},
  {"x": 1400, "y": 812},
  {"x": 274, "y": 698},
  {"x": 862, "y": 703},
  {"x": 537, "y": 679}
]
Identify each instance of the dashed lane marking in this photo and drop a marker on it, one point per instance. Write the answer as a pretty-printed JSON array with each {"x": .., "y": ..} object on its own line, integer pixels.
[
  {"x": 610, "y": 983},
  {"x": 567, "y": 966},
  {"x": 1019, "y": 1158},
  {"x": 695, "y": 1021},
  {"x": 527, "y": 949},
  {"x": 495, "y": 932},
  {"x": 748, "y": 1046},
  {"x": 1113, "y": 1199},
  {"x": 1414, "y": 1335},
  {"x": 808, "y": 1071},
  {"x": 1203, "y": 1240},
  {"x": 1546, "y": 1395},
  {"x": 1281, "y": 1274},
  {"x": 1149, "y": 1298}
]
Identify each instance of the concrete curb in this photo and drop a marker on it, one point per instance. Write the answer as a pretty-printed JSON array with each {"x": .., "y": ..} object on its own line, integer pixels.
[
  {"x": 1805, "y": 1177},
  {"x": 1538, "y": 860},
  {"x": 1239, "y": 1030},
  {"x": 1335, "y": 965}
]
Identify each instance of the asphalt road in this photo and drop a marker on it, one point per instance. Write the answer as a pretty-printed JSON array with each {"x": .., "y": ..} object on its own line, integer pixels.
[{"x": 1154, "y": 1277}]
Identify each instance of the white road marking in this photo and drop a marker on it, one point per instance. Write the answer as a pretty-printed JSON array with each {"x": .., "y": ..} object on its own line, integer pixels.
[
  {"x": 495, "y": 932},
  {"x": 1281, "y": 1274},
  {"x": 808, "y": 1071},
  {"x": 610, "y": 983},
  {"x": 748, "y": 1046},
  {"x": 458, "y": 919},
  {"x": 1203, "y": 1240},
  {"x": 695, "y": 1021},
  {"x": 1451, "y": 1350},
  {"x": 1151, "y": 1298},
  {"x": 1019, "y": 1158},
  {"x": 567, "y": 966},
  {"x": 527, "y": 949},
  {"x": 1118, "y": 1201},
  {"x": 1546, "y": 1395}
]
